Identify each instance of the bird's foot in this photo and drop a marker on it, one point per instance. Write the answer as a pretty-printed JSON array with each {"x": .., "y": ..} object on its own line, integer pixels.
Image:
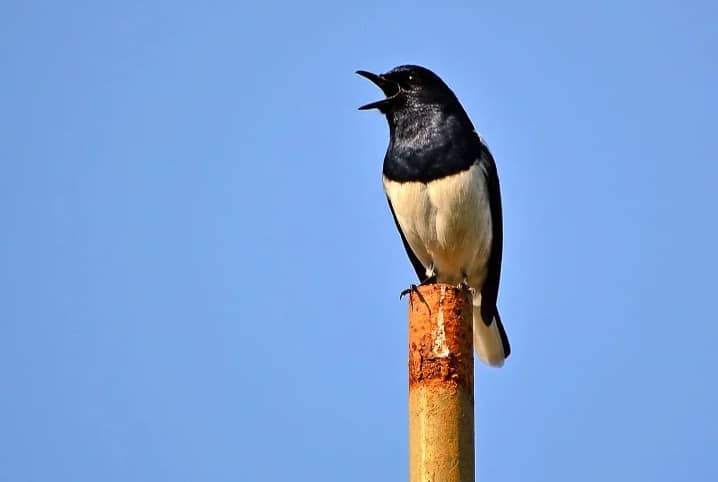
[
  {"x": 464, "y": 285},
  {"x": 413, "y": 287}
]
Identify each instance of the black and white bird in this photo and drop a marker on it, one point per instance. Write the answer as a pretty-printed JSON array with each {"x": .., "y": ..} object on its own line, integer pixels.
[{"x": 443, "y": 190}]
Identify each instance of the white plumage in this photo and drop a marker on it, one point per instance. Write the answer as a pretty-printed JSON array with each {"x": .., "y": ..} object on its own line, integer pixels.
[{"x": 447, "y": 223}]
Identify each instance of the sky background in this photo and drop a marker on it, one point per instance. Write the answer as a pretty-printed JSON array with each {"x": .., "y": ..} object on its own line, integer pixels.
[{"x": 199, "y": 274}]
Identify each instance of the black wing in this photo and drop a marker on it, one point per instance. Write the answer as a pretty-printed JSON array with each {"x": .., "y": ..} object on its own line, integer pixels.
[
  {"x": 418, "y": 267},
  {"x": 490, "y": 290}
]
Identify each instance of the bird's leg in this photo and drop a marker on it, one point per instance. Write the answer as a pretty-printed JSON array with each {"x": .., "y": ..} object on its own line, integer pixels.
[{"x": 413, "y": 287}]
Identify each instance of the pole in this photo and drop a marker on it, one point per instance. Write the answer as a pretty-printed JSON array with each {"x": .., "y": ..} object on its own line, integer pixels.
[{"x": 441, "y": 385}]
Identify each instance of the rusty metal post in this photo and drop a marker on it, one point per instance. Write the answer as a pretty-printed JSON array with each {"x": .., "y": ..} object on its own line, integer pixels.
[{"x": 441, "y": 385}]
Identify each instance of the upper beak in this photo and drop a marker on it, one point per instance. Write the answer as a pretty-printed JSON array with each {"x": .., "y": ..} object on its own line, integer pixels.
[{"x": 390, "y": 89}]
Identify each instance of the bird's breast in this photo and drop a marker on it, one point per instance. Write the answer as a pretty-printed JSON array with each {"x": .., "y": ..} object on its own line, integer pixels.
[{"x": 446, "y": 221}]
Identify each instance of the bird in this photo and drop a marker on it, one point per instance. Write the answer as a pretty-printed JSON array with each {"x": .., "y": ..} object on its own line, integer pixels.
[{"x": 442, "y": 185}]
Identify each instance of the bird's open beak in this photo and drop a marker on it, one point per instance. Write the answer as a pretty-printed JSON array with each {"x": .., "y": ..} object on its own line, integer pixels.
[{"x": 390, "y": 89}]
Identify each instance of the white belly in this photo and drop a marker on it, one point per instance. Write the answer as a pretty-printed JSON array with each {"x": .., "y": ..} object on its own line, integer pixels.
[{"x": 447, "y": 223}]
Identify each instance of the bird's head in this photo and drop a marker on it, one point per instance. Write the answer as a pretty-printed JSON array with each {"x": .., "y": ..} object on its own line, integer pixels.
[{"x": 408, "y": 86}]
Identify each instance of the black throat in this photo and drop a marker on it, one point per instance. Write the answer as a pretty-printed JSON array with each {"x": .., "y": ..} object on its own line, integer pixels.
[{"x": 428, "y": 142}]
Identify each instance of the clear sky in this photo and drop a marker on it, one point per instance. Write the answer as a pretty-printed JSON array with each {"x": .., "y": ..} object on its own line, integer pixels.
[{"x": 199, "y": 274}]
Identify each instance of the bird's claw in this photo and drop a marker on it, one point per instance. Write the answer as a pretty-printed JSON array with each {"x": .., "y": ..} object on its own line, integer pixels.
[
  {"x": 412, "y": 287},
  {"x": 465, "y": 286}
]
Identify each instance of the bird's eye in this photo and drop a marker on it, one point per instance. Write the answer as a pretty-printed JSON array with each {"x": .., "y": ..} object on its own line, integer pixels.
[{"x": 411, "y": 77}]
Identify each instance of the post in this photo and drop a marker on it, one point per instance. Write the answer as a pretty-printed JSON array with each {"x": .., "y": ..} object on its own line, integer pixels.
[{"x": 441, "y": 385}]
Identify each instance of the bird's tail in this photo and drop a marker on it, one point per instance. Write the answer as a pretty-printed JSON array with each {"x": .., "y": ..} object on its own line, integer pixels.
[{"x": 490, "y": 340}]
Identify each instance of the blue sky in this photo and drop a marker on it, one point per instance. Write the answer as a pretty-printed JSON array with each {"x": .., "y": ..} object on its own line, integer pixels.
[{"x": 199, "y": 275}]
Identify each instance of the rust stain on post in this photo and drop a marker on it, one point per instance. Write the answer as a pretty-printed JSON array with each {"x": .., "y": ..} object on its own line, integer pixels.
[{"x": 441, "y": 385}]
